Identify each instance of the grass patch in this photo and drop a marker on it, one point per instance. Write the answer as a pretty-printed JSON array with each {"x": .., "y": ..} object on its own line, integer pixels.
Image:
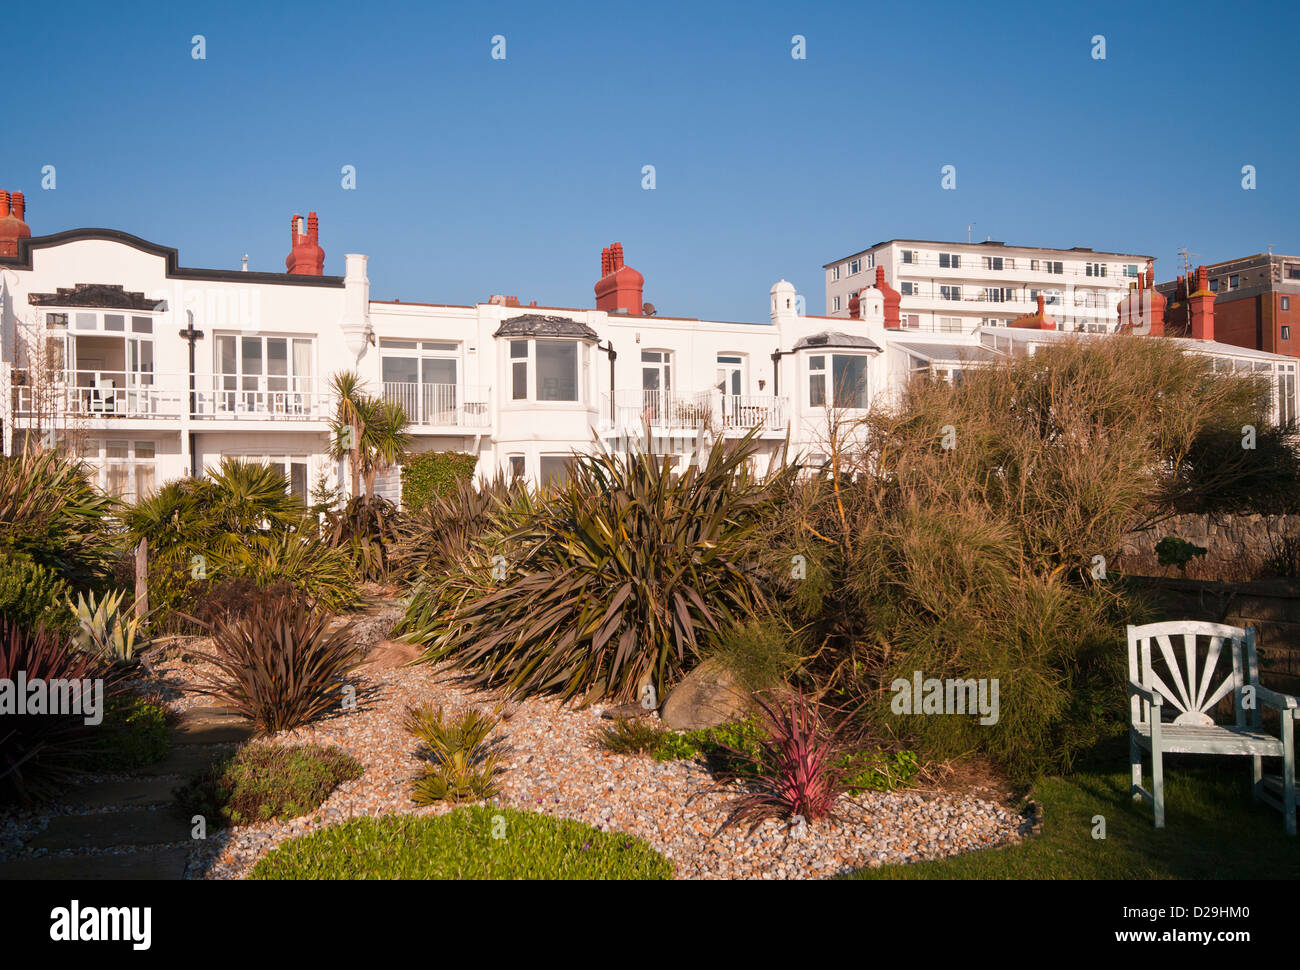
[
  {"x": 262, "y": 782},
  {"x": 461, "y": 845},
  {"x": 1213, "y": 831}
]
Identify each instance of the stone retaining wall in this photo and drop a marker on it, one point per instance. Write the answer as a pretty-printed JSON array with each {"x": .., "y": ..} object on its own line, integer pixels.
[{"x": 1239, "y": 546}]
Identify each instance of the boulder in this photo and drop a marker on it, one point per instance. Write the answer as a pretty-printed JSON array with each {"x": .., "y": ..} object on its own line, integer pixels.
[
  {"x": 706, "y": 697},
  {"x": 388, "y": 654}
]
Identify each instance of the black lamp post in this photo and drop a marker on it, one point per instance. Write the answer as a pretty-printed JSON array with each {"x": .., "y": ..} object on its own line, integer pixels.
[{"x": 192, "y": 335}]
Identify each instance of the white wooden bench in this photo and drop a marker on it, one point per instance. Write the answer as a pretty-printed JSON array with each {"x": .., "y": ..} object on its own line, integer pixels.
[{"x": 1170, "y": 700}]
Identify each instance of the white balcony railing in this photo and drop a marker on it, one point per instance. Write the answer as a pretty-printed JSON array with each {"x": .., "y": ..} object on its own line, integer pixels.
[
  {"x": 441, "y": 405},
  {"x": 707, "y": 409},
  {"x": 102, "y": 394},
  {"x": 230, "y": 396}
]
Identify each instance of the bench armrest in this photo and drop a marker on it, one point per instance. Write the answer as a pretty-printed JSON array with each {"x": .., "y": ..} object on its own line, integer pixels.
[
  {"x": 1152, "y": 696},
  {"x": 1276, "y": 700}
]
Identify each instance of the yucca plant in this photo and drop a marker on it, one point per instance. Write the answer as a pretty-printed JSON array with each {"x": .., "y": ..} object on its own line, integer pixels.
[
  {"x": 615, "y": 579},
  {"x": 278, "y": 663},
  {"x": 462, "y": 765},
  {"x": 800, "y": 768},
  {"x": 41, "y": 752},
  {"x": 107, "y": 626},
  {"x": 435, "y": 538}
]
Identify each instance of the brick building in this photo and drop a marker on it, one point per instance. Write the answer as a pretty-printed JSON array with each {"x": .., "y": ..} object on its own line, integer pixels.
[{"x": 1256, "y": 302}]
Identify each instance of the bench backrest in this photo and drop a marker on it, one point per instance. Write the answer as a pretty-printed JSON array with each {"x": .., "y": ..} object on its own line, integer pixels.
[{"x": 1181, "y": 660}]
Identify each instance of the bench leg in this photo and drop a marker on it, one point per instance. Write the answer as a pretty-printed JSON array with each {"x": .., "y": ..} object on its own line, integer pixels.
[
  {"x": 1135, "y": 760},
  {"x": 1288, "y": 771},
  {"x": 1256, "y": 777},
  {"x": 1158, "y": 786}
]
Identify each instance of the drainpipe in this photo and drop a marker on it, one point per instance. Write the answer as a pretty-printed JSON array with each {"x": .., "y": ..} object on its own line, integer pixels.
[{"x": 613, "y": 356}]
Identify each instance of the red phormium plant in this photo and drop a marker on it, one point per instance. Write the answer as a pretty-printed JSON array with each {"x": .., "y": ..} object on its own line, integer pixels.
[
  {"x": 795, "y": 772},
  {"x": 39, "y": 752},
  {"x": 278, "y": 663}
]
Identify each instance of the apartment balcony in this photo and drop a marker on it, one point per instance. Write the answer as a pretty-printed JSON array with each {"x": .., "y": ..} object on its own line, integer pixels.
[
  {"x": 669, "y": 413},
  {"x": 101, "y": 395},
  {"x": 231, "y": 397},
  {"x": 441, "y": 405}
]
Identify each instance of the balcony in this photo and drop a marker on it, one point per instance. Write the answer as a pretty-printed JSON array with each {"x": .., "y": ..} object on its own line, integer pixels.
[
  {"x": 441, "y": 405},
  {"x": 713, "y": 410},
  {"x": 102, "y": 394},
  {"x": 274, "y": 398}
]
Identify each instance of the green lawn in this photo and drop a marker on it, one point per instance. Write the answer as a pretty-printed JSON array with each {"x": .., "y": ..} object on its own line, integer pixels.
[{"x": 1212, "y": 831}]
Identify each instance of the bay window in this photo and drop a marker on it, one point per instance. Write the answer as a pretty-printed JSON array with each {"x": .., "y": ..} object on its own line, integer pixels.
[
  {"x": 545, "y": 370},
  {"x": 848, "y": 375}
]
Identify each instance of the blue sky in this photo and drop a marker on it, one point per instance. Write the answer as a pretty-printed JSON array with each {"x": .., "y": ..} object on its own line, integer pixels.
[{"x": 478, "y": 176}]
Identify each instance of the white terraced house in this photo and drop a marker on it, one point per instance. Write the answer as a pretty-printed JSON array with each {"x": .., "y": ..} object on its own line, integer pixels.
[
  {"x": 957, "y": 287},
  {"x": 156, "y": 371}
]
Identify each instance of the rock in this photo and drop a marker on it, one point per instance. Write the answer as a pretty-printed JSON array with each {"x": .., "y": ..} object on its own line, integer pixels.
[
  {"x": 387, "y": 654},
  {"x": 706, "y": 697}
]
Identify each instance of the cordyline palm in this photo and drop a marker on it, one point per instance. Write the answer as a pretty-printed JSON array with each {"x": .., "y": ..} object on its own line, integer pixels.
[
  {"x": 348, "y": 415},
  {"x": 385, "y": 439}
]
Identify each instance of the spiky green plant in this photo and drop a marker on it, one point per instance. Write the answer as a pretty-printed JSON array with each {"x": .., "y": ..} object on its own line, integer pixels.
[
  {"x": 462, "y": 764},
  {"x": 614, "y": 579},
  {"x": 107, "y": 626},
  {"x": 50, "y": 511},
  {"x": 366, "y": 529},
  {"x": 437, "y": 537}
]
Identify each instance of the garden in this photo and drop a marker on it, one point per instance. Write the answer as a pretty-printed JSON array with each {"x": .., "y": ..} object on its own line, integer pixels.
[{"x": 641, "y": 671}]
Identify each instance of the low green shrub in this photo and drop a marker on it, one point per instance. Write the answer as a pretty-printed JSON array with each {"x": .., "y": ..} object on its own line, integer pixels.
[
  {"x": 135, "y": 735},
  {"x": 879, "y": 770},
  {"x": 635, "y": 735},
  {"x": 263, "y": 782},
  {"x": 475, "y": 842},
  {"x": 31, "y": 594},
  {"x": 432, "y": 474},
  {"x": 758, "y": 652},
  {"x": 461, "y": 763}
]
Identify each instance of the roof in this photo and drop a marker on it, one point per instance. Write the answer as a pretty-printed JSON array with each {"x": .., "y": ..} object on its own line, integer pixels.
[
  {"x": 950, "y": 352},
  {"x": 108, "y": 296},
  {"x": 174, "y": 270},
  {"x": 832, "y": 338},
  {"x": 990, "y": 243},
  {"x": 540, "y": 325}
]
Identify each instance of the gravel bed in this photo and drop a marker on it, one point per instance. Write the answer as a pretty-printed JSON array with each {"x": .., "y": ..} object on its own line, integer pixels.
[{"x": 551, "y": 765}]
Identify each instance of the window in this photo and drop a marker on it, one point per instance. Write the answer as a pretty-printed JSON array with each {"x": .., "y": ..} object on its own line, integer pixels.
[
  {"x": 871, "y": 260},
  {"x": 519, "y": 370},
  {"x": 1286, "y": 303},
  {"x": 263, "y": 374},
  {"x": 730, "y": 373},
  {"x": 993, "y": 294},
  {"x": 421, "y": 377},
  {"x": 835, "y": 304},
  {"x": 1131, "y": 269},
  {"x": 127, "y": 466},
  {"x": 848, "y": 373},
  {"x": 555, "y": 469},
  {"x": 950, "y": 324},
  {"x": 1293, "y": 272},
  {"x": 1054, "y": 267},
  {"x": 909, "y": 289},
  {"x": 56, "y": 319},
  {"x": 516, "y": 466},
  {"x": 855, "y": 266},
  {"x": 115, "y": 322},
  {"x": 1033, "y": 265},
  {"x": 909, "y": 256},
  {"x": 993, "y": 262},
  {"x": 1214, "y": 286},
  {"x": 950, "y": 292},
  {"x": 950, "y": 260},
  {"x": 1286, "y": 333},
  {"x": 556, "y": 364},
  {"x": 911, "y": 320},
  {"x": 835, "y": 271},
  {"x": 1233, "y": 280},
  {"x": 1095, "y": 269}
]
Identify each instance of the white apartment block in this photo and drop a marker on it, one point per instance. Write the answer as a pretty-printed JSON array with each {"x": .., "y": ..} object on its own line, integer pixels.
[
  {"x": 155, "y": 371},
  {"x": 956, "y": 287}
]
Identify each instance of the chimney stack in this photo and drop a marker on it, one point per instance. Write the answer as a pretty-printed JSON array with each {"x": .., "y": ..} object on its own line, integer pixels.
[
  {"x": 12, "y": 227},
  {"x": 619, "y": 288},
  {"x": 1201, "y": 306},
  {"x": 305, "y": 258}
]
